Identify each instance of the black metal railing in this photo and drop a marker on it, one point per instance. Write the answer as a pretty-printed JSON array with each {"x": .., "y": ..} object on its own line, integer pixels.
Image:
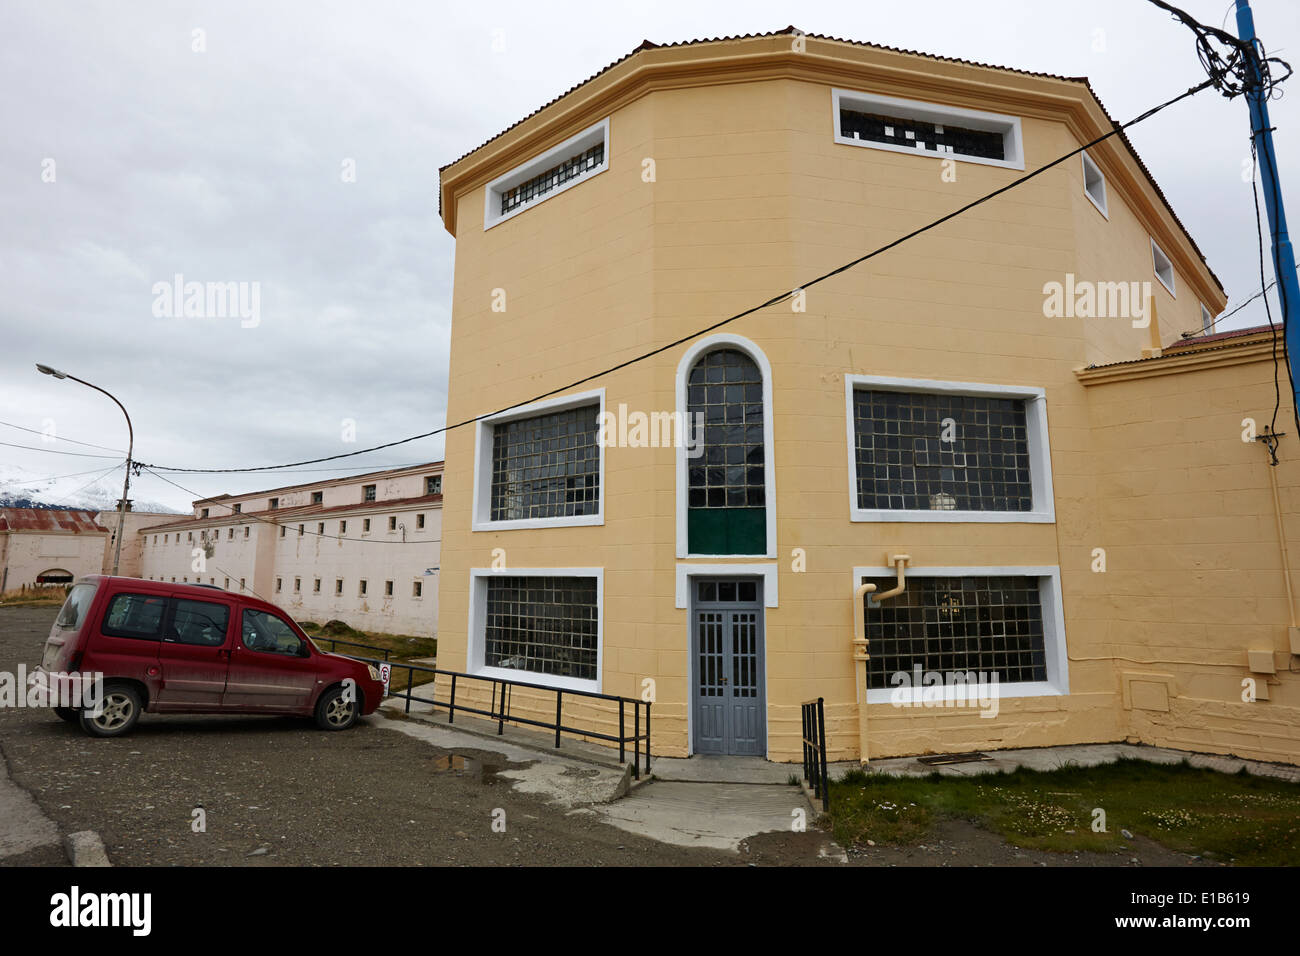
[
  {"x": 814, "y": 750},
  {"x": 499, "y": 708},
  {"x": 334, "y": 643}
]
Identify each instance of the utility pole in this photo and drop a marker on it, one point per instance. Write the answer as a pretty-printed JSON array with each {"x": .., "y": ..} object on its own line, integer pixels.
[{"x": 1262, "y": 136}]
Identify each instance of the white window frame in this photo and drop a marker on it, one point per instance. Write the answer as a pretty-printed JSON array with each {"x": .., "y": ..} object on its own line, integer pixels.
[
  {"x": 693, "y": 355},
  {"x": 1090, "y": 168},
  {"x": 578, "y": 143},
  {"x": 1040, "y": 456},
  {"x": 1008, "y": 126},
  {"x": 1158, "y": 254},
  {"x": 1207, "y": 320},
  {"x": 477, "y": 640},
  {"x": 482, "y": 492},
  {"x": 768, "y": 572},
  {"x": 1055, "y": 649}
]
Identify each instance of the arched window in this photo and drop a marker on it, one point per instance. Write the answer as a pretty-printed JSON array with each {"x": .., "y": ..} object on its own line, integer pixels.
[
  {"x": 54, "y": 576},
  {"x": 726, "y": 478}
]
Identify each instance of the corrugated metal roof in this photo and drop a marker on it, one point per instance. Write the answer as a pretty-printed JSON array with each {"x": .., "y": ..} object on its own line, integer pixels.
[{"x": 49, "y": 520}]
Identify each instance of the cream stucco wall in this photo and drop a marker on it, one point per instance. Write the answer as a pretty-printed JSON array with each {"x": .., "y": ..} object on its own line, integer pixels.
[{"x": 752, "y": 196}]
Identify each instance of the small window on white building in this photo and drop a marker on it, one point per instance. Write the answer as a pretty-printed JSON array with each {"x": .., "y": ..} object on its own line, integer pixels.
[
  {"x": 417, "y": 589},
  {"x": 392, "y": 524},
  {"x": 239, "y": 508},
  {"x": 301, "y": 529},
  {"x": 230, "y": 534},
  {"x": 297, "y": 585},
  {"x": 278, "y": 585},
  {"x": 1164, "y": 269},
  {"x": 388, "y": 589},
  {"x": 419, "y": 522},
  {"x": 241, "y": 584},
  {"x": 338, "y": 586},
  {"x": 433, "y": 485},
  {"x": 283, "y": 529},
  {"x": 368, "y": 492},
  {"x": 316, "y": 586},
  {"x": 361, "y": 587},
  {"x": 343, "y": 527},
  {"x": 365, "y": 526},
  {"x": 226, "y": 585},
  {"x": 1094, "y": 184},
  {"x": 246, "y": 530},
  {"x": 320, "y": 527}
]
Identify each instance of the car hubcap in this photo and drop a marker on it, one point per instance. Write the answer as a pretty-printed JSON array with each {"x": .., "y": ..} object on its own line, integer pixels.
[
  {"x": 117, "y": 711},
  {"x": 338, "y": 711}
]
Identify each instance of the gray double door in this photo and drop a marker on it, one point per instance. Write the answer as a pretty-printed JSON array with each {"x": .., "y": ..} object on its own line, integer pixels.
[{"x": 728, "y": 679}]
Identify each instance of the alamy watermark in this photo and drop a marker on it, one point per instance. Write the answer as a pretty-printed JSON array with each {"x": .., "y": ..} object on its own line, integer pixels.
[
  {"x": 179, "y": 299},
  {"x": 1084, "y": 299},
  {"x": 77, "y": 691},
  {"x": 919, "y": 688},
  {"x": 624, "y": 429}
]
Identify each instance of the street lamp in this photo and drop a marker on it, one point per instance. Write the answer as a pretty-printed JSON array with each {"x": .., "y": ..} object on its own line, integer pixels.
[{"x": 126, "y": 485}]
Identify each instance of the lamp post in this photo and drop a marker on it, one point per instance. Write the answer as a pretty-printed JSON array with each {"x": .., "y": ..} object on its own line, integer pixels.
[{"x": 130, "y": 447}]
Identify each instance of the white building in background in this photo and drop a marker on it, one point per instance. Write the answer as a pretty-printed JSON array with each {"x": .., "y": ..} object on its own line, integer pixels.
[
  {"x": 51, "y": 547},
  {"x": 362, "y": 549}
]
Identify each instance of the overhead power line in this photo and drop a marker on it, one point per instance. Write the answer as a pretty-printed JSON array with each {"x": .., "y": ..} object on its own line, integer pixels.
[
  {"x": 55, "y": 451},
  {"x": 1228, "y": 315},
  {"x": 73, "y": 441},
  {"x": 776, "y": 299}
]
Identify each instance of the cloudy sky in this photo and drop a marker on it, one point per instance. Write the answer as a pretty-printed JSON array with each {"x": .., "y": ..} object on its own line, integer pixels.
[{"x": 129, "y": 157}]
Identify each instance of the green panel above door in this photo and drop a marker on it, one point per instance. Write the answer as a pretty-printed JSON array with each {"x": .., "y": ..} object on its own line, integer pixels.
[{"x": 726, "y": 530}]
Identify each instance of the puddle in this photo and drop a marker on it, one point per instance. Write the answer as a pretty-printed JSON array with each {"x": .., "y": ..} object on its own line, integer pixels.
[{"x": 462, "y": 765}]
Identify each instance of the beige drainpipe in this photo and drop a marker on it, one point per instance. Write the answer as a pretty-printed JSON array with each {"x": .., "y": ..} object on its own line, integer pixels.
[{"x": 860, "y": 655}]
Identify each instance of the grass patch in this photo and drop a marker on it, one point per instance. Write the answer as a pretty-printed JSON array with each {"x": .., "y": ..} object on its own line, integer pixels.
[
  {"x": 35, "y": 597},
  {"x": 401, "y": 647},
  {"x": 1239, "y": 817}
]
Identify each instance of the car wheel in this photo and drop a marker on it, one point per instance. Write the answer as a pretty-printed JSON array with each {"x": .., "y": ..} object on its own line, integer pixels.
[
  {"x": 70, "y": 714},
  {"x": 334, "y": 711},
  {"x": 118, "y": 715}
]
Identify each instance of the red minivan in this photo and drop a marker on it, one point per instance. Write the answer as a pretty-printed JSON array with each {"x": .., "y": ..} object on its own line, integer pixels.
[{"x": 195, "y": 649}]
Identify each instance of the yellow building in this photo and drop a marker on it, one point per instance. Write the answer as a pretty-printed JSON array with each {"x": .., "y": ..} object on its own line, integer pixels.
[{"x": 1006, "y": 400}]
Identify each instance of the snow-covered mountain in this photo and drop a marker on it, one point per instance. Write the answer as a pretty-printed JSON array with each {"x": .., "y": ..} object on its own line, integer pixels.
[{"x": 20, "y": 488}]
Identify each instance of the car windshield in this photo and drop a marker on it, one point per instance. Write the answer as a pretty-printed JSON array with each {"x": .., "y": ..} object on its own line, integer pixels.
[{"x": 75, "y": 607}]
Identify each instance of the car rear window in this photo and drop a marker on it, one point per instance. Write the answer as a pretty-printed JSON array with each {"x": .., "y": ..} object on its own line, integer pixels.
[
  {"x": 135, "y": 615},
  {"x": 75, "y": 607},
  {"x": 199, "y": 622}
]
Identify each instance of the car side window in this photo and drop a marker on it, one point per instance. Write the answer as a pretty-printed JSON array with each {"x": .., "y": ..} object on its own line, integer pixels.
[
  {"x": 266, "y": 632},
  {"x": 135, "y": 615},
  {"x": 201, "y": 623}
]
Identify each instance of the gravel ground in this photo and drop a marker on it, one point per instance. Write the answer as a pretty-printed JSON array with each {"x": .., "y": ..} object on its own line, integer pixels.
[{"x": 276, "y": 791}]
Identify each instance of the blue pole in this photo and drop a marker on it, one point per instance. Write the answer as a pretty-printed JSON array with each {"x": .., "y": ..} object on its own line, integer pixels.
[{"x": 1283, "y": 255}]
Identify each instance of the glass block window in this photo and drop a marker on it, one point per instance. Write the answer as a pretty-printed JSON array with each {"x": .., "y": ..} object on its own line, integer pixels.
[
  {"x": 546, "y": 181},
  {"x": 992, "y": 625},
  {"x": 547, "y": 466},
  {"x": 726, "y": 386},
  {"x": 433, "y": 485},
  {"x": 941, "y": 452},
  {"x": 545, "y": 625},
  {"x": 367, "y": 492},
  {"x": 941, "y": 138}
]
